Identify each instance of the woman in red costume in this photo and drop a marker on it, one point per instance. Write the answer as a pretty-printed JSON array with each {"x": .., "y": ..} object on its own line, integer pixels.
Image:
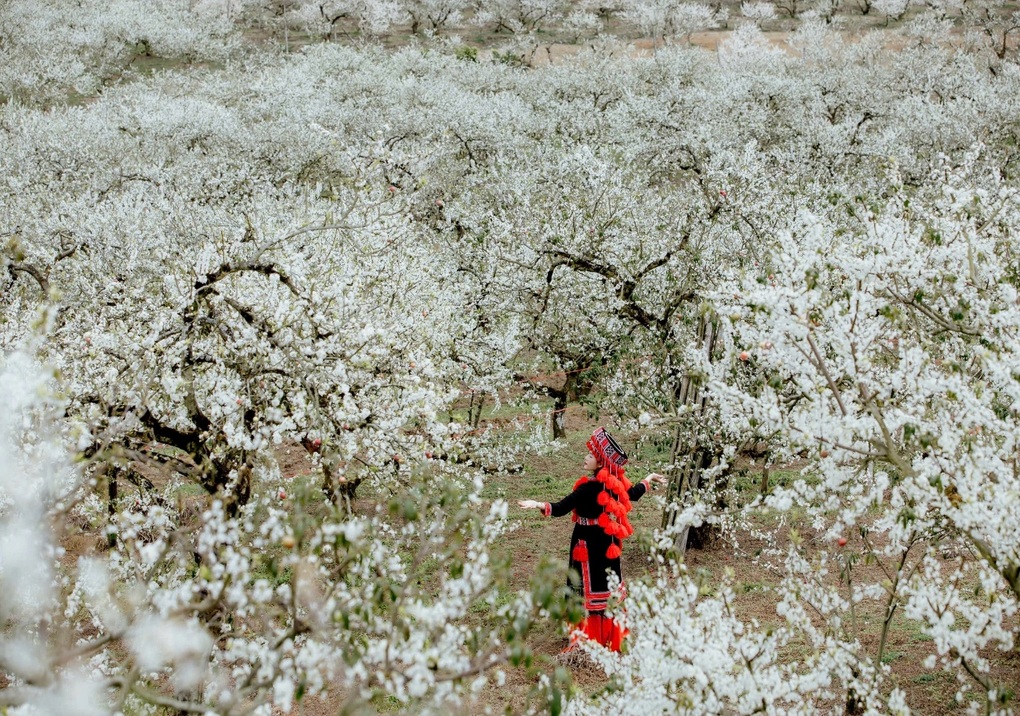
[{"x": 600, "y": 502}]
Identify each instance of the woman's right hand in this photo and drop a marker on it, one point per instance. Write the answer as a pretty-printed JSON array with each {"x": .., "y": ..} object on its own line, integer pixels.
[{"x": 530, "y": 504}]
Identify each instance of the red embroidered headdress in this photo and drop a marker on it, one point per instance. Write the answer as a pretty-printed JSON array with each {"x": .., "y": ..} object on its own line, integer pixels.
[
  {"x": 614, "y": 498},
  {"x": 608, "y": 452}
]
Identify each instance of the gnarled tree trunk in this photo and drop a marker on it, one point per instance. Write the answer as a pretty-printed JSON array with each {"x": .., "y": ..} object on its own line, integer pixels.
[{"x": 688, "y": 461}]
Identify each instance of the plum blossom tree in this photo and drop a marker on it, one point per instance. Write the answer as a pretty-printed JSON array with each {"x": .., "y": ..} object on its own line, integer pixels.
[
  {"x": 758, "y": 11},
  {"x": 580, "y": 24},
  {"x": 666, "y": 19},
  {"x": 857, "y": 225},
  {"x": 51, "y": 51},
  {"x": 286, "y": 604},
  {"x": 519, "y": 16},
  {"x": 337, "y": 18},
  {"x": 994, "y": 29},
  {"x": 892, "y": 9},
  {"x": 257, "y": 258},
  {"x": 847, "y": 324},
  {"x": 434, "y": 15},
  {"x": 708, "y": 660}
]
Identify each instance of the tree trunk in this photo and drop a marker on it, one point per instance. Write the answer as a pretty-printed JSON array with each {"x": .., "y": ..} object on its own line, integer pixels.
[
  {"x": 338, "y": 489},
  {"x": 854, "y": 704},
  {"x": 328, "y": 486},
  {"x": 111, "y": 506},
  {"x": 559, "y": 413},
  {"x": 561, "y": 398},
  {"x": 688, "y": 462},
  {"x": 475, "y": 409}
]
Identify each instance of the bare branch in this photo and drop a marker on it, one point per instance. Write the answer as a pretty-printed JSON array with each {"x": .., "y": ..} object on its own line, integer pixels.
[{"x": 32, "y": 271}]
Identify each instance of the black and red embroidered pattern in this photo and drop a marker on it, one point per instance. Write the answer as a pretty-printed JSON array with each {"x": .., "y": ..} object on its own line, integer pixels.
[
  {"x": 593, "y": 601},
  {"x": 610, "y": 455}
]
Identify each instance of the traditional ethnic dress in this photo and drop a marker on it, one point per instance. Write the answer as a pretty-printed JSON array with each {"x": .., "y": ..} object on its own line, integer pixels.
[{"x": 599, "y": 504}]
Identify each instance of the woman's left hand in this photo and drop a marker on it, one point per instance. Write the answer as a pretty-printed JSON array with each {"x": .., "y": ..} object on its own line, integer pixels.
[{"x": 656, "y": 479}]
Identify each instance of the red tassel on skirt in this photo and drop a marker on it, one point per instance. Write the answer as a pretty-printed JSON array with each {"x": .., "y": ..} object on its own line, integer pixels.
[{"x": 580, "y": 552}]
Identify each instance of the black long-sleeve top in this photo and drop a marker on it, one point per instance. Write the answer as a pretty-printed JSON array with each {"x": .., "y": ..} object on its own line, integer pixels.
[{"x": 584, "y": 500}]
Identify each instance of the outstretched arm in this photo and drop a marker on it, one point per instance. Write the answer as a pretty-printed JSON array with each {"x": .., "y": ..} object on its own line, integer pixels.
[
  {"x": 551, "y": 509},
  {"x": 637, "y": 491}
]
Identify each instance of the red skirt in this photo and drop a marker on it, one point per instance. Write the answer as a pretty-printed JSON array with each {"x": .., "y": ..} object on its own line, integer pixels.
[{"x": 602, "y": 629}]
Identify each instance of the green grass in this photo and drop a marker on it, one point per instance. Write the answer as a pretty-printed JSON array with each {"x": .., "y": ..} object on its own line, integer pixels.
[
  {"x": 890, "y": 656},
  {"x": 144, "y": 64},
  {"x": 482, "y": 607},
  {"x": 747, "y": 481},
  {"x": 508, "y": 408},
  {"x": 189, "y": 489},
  {"x": 426, "y": 570},
  {"x": 912, "y": 630},
  {"x": 266, "y": 568},
  {"x": 385, "y": 703}
]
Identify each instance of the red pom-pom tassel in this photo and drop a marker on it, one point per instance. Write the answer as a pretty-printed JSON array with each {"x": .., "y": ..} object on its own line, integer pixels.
[
  {"x": 613, "y": 552},
  {"x": 603, "y": 520},
  {"x": 580, "y": 553},
  {"x": 603, "y": 498}
]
